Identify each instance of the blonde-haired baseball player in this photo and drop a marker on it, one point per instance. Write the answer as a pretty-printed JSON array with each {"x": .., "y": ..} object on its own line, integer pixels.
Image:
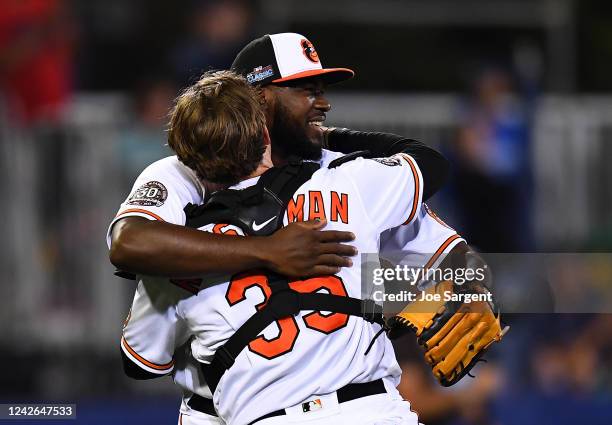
[{"x": 311, "y": 365}]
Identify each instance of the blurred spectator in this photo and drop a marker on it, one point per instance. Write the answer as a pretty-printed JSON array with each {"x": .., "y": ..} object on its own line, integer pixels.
[
  {"x": 144, "y": 140},
  {"x": 35, "y": 58},
  {"x": 218, "y": 30},
  {"x": 492, "y": 171},
  {"x": 574, "y": 363},
  {"x": 567, "y": 359}
]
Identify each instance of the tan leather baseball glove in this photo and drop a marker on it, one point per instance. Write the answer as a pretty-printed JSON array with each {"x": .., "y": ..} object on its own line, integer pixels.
[{"x": 454, "y": 333}]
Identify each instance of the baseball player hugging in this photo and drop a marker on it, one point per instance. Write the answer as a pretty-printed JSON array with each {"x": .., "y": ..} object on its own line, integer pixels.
[
  {"x": 257, "y": 347},
  {"x": 304, "y": 360}
]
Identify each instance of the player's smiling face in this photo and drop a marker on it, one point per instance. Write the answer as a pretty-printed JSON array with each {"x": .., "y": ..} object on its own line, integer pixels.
[{"x": 299, "y": 110}]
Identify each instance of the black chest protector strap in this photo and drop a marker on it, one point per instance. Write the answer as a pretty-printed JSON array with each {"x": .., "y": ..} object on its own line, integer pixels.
[{"x": 284, "y": 302}]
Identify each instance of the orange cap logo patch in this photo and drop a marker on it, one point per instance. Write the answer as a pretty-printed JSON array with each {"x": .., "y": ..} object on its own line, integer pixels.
[{"x": 309, "y": 51}]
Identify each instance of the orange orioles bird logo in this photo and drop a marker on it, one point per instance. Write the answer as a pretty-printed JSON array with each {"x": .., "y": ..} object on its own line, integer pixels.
[{"x": 309, "y": 51}]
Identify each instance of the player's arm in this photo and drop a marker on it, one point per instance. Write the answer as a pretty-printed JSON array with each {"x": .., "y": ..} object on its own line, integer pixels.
[
  {"x": 428, "y": 237},
  {"x": 151, "y": 332},
  {"x": 454, "y": 335},
  {"x": 434, "y": 167},
  {"x": 153, "y": 247},
  {"x": 148, "y": 235}
]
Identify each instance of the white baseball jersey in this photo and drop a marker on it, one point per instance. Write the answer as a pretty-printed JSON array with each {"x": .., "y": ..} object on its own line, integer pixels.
[
  {"x": 428, "y": 238},
  {"x": 152, "y": 330},
  {"x": 151, "y": 334},
  {"x": 156, "y": 340},
  {"x": 310, "y": 353},
  {"x": 161, "y": 192}
]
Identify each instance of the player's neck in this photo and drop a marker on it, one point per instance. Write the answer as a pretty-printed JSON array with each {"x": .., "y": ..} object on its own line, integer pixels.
[{"x": 264, "y": 165}]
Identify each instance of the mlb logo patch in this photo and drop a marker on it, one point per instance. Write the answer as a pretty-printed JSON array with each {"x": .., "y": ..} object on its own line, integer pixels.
[{"x": 313, "y": 405}]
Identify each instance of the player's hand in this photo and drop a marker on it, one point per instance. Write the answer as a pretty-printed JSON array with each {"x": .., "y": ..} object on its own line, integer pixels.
[{"x": 302, "y": 249}]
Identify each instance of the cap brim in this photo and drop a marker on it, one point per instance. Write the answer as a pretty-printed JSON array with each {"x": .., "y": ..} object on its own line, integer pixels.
[{"x": 329, "y": 75}]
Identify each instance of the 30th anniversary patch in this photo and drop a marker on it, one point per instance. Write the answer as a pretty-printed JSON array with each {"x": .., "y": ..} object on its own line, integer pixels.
[
  {"x": 390, "y": 162},
  {"x": 150, "y": 194}
]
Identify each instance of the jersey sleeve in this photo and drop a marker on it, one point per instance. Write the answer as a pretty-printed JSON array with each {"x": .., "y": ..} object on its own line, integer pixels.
[
  {"x": 391, "y": 189},
  {"x": 427, "y": 238},
  {"x": 161, "y": 192},
  {"x": 153, "y": 330}
]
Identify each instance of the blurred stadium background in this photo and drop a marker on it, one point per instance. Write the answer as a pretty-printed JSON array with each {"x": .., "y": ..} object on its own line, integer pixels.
[{"x": 517, "y": 93}]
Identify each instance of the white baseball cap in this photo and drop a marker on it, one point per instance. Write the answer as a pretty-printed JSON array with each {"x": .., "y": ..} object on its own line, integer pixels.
[{"x": 276, "y": 58}]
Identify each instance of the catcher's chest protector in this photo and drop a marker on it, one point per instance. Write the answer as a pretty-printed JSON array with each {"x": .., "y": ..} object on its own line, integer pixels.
[
  {"x": 251, "y": 207},
  {"x": 259, "y": 210}
]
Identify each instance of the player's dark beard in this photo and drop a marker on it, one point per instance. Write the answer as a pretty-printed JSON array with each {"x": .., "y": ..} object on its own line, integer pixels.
[{"x": 289, "y": 138}]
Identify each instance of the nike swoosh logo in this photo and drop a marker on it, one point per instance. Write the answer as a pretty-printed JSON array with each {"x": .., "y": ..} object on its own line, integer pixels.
[{"x": 257, "y": 227}]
